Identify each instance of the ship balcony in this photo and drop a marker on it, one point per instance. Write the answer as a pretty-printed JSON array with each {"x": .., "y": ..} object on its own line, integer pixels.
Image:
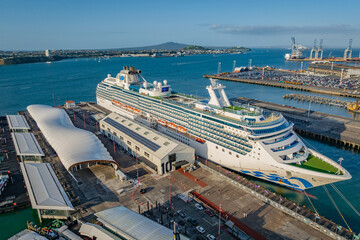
[
  {"x": 278, "y": 142},
  {"x": 257, "y": 134},
  {"x": 286, "y": 148}
]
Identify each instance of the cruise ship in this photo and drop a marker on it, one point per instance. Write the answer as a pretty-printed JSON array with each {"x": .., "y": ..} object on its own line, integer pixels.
[{"x": 243, "y": 138}]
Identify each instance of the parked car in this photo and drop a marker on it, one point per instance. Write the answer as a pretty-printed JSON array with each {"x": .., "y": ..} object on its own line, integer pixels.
[
  {"x": 181, "y": 222},
  {"x": 210, "y": 237},
  {"x": 181, "y": 213},
  {"x": 209, "y": 212},
  {"x": 192, "y": 221},
  {"x": 143, "y": 190},
  {"x": 200, "y": 229},
  {"x": 198, "y": 206}
]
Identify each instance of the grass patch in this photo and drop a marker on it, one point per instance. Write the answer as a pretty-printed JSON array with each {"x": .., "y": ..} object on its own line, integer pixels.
[{"x": 316, "y": 164}]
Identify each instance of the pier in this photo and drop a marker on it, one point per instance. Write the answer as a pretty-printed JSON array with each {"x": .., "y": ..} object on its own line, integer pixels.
[
  {"x": 333, "y": 129},
  {"x": 318, "y": 100},
  {"x": 270, "y": 83}
]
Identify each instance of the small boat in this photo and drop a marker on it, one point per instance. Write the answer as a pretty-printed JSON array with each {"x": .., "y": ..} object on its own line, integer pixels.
[
  {"x": 162, "y": 122},
  {"x": 181, "y": 129},
  {"x": 172, "y": 125},
  {"x": 200, "y": 140}
]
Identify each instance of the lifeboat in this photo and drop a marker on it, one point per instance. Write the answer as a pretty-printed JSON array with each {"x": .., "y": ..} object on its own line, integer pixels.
[
  {"x": 136, "y": 110},
  {"x": 181, "y": 129},
  {"x": 200, "y": 140},
  {"x": 162, "y": 122},
  {"x": 129, "y": 108},
  {"x": 171, "y": 125}
]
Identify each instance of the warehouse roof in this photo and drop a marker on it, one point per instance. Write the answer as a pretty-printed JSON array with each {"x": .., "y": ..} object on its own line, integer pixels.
[
  {"x": 92, "y": 230},
  {"x": 155, "y": 142},
  {"x": 133, "y": 225},
  {"x": 45, "y": 190},
  {"x": 17, "y": 122},
  {"x": 73, "y": 145},
  {"x": 26, "y": 144}
]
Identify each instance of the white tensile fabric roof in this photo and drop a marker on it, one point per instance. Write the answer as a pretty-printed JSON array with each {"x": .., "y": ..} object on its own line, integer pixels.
[
  {"x": 73, "y": 145},
  {"x": 17, "y": 122},
  {"x": 45, "y": 190},
  {"x": 135, "y": 226}
]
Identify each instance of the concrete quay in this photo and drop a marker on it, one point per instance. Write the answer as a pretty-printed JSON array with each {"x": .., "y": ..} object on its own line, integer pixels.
[
  {"x": 333, "y": 129},
  {"x": 270, "y": 83},
  {"x": 96, "y": 188}
]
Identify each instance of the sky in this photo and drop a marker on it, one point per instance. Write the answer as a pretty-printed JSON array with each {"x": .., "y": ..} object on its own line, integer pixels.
[{"x": 95, "y": 24}]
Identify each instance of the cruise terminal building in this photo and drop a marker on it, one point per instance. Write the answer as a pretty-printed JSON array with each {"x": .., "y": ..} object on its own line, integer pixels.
[{"x": 161, "y": 153}]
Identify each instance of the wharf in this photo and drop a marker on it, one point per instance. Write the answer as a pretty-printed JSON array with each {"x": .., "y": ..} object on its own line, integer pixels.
[
  {"x": 270, "y": 83},
  {"x": 337, "y": 130},
  {"x": 14, "y": 195}
]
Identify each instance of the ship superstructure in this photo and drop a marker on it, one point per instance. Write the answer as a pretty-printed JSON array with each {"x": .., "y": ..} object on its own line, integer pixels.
[{"x": 244, "y": 138}]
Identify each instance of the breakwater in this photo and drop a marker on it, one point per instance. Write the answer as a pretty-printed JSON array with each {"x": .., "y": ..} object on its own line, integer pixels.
[
  {"x": 333, "y": 129},
  {"x": 306, "y": 88}
]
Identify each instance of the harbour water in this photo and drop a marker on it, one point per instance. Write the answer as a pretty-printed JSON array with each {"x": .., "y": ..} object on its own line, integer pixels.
[{"x": 76, "y": 79}]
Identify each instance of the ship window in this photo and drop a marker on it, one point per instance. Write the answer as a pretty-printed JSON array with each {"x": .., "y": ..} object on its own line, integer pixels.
[
  {"x": 146, "y": 154},
  {"x": 103, "y": 125},
  {"x": 223, "y": 150},
  {"x": 217, "y": 147},
  {"x": 108, "y": 129},
  {"x": 156, "y": 138},
  {"x": 237, "y": 155},
  {"x": 166, "y": 143},
  {"x": 230, "y": 153},
  {"x": 121, "y": 138},
  {"x": 137, "y": 129},
  {"x": 123, "y": 120},
  {"x": 146, "y": 133},
  {"x": 128, "y": 142},
  {"x": 130, "y": 124},
  {"x": 137, "y": 148},
  {"x": 115, "y": 134}
]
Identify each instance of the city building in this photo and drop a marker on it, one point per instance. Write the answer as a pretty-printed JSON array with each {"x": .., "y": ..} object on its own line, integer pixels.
[
  {"x": 17, "y": 123},
  {"x": 47, "y": 53},
  {"x": 157, "y": 150},
  {"x": 46, "y": 194},
  {"x": 70, "y": 104},
  {"x": 26, "y": 146},
  {"x": 133, "y": 226},
  {"x": 76, "y": 148}
]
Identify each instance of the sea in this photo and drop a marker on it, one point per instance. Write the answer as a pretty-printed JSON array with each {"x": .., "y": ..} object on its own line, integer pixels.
[{"x": 76, "y": 79}]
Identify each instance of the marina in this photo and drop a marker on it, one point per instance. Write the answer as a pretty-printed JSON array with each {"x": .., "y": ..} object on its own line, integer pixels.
[{"x": 318, "y": 100}]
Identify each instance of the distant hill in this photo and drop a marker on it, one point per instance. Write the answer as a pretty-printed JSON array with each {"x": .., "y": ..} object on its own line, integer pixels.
[{"x": 165, "y": 46}]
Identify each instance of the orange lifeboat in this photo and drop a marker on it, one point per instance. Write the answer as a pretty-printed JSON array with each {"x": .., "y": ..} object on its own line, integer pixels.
[
  {"x": 136, "y": 110},
  {"x": 129, "y": 108},
  {"x": 200, "y": 140},
  {"x": 181, "y": 129},
  {"x": 172, "y": 125},
  {"x": 162, "y": 122}
]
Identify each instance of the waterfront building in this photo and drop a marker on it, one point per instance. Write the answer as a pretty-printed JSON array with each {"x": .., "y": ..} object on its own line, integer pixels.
[
  {"x": 76, "y": 148},
  {"x": 46, "y": 194},
  {"x": 27, "y": 147},
  {"x": 157, "y": 150},
  {"x": 133, "y": 226},
  {"x": 93, "y": 230},
  {"x": 17, "y": 123}
]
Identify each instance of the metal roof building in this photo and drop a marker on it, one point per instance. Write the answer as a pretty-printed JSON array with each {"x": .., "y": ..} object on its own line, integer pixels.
[
  {"x": 45, "y": 191},
  {"x": 76, "y": 148},
  {"x": 26, "y": 146},
  {"x": 17, "y": 123},
  {"x": 132, "y": 225},
  {"x": 91, "y": 230},
  {"x": 161, "y": 152}
]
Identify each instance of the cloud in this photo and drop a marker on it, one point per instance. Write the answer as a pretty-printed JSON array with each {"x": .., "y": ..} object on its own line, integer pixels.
[{"x": 277, "y": 29}]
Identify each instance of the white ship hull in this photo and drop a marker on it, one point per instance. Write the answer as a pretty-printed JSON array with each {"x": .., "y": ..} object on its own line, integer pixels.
[{"x": 258, "y": 163}]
